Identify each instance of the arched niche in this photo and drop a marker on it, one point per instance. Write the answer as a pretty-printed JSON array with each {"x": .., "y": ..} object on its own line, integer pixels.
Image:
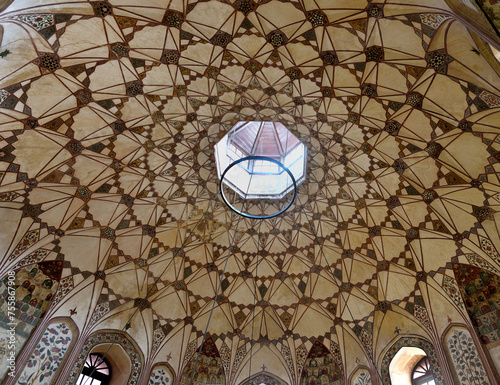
[
  {"x": 410, "y": 342},
  {"x": 361, "y": 376},
  {"x": 161, "y": 374},
  {"x": 480, "y": 290},
  {"x": 122, "y": 354},
  {"x": 401, "y": 366},
  {"x": 263, "y": 378},
  {"x": 50, "y": 354},
  {"x": 320, "y": 367},
  {"x": 117, "y": 359},
  {"x": 34, "y": 286},
  {"x": 207, "y": 369},
  {"x": 464, "y": 357}
]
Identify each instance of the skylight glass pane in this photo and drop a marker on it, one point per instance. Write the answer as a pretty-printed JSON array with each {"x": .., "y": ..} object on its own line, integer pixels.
[
  {"x": 295, "y": 155},
  {"x": 265, "y": 167},
  {"x": 260, "y": 178}
]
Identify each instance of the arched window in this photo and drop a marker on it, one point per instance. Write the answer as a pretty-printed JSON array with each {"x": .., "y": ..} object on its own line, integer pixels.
[
  {"x": 409, "y": 366},
  {"x": 422, "y": 374},
  {"x": 95, "y": 372}
]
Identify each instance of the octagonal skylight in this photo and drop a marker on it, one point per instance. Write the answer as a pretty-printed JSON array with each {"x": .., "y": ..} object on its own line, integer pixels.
[{"x": 259, "y": 178}]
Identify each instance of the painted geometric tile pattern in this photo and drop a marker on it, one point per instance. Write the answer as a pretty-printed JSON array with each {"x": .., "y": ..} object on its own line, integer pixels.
[{"x": 109, "y": 112}]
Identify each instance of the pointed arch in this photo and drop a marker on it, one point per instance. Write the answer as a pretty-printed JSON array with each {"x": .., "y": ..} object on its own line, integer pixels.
[
  {"x": 263, "y": 378},
  {"x": 480, "y": 290},
  {"x": 121, "y": 343},
  {"x": 34, "y": 287},
  {"x": 320, "y": 367},
  {"x": 54, "y": 344},
  {"x": 462, "y": 352},
  {"x": 209, "y": 368},
  {"x": 162, "y": 374},
  {"x": 361, "y": 376},
  {"x": 410, "y": 342}
]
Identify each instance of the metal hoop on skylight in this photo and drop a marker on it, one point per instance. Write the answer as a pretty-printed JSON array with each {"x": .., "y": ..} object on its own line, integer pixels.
[{"x": 250, "y": 161}]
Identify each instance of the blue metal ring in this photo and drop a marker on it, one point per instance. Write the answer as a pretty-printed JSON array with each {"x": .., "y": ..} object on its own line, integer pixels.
[{"x": 256, "y": 157}]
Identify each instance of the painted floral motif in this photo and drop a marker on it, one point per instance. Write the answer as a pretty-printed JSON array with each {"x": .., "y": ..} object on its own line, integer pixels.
[
  {"x": 301, "y": 354},
  {"x": 160, "y": 376},
  {"x": 490, "y": 99},
  {"x": 489, "y": 249},
  {"x": 205, "y": 367},
  {"x": 65, "y": 286},
  {"x": 262, "y": 378},
  {"x": 158, "y": 336},
  {"x": 480, "y": 291},
  {"x": 422, "y": 316},
  {"x": 47, "y": 355},
  {"x": 36, "y": 21},
  {"x": 191, "y": 348},
  {"x": 363, "y": 378},
  {"x": 29, "y": 239},
  {"x": 240, "y": 354},
  {"x": 35, "y": 257},
  {"x": 337, "y": 356},
  {"x": 225, "y": 355},
  {"x": 3, "y": 95},
  {"x": 320, "y": 367},
  {"x": 287, "y": 354},
  {"x": 100, "y": 311},
  {"x": 433, "y": 20},
  {"x": 468, "y": 366},
  {"x": 35, "y": 287},
  {"x": 7, "y": 196},
  {"x": 476, "y": 260},
  {"x": 450, "y": 286},
  {"x": 367, "y": 339}
]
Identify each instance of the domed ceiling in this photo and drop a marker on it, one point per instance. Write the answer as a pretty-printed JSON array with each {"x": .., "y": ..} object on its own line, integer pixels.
[{"x": 108, "y": 119}]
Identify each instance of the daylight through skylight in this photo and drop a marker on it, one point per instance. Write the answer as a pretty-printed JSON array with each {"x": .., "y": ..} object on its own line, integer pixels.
[{"x": 260, "y": 178}]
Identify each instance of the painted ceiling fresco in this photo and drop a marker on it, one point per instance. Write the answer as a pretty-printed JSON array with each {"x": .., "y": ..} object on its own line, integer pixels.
[{"x": 109, "y": 113}]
